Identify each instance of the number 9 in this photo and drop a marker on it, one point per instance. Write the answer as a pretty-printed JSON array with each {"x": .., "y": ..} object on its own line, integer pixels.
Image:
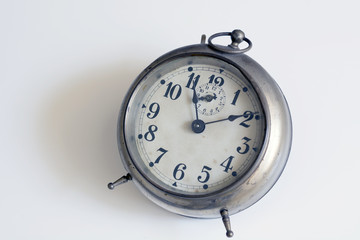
[{"x": 154, "y": 108}]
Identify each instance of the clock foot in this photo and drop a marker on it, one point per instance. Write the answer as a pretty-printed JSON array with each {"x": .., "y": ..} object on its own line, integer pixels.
[
  {"x": 226, "y": 220},
  {"x": 121, "y": 180}
]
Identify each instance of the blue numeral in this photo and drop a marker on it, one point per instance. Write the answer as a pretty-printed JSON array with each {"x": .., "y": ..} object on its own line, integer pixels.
[
  {"x": 243, "y": 150},
  {"x": 150, "y": 136},
  {"x": 173, "y": 92},
  {"x": 154, "y": 110},
  {"x": 227, "y": 164},
  {"x": 179, "y": 173},
  {"x": 207, "y": 175},
  {"x": 216, "y": 80},
  {"x": 193, "y": 81}
]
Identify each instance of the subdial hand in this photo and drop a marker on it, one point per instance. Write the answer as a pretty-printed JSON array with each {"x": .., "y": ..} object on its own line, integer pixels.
[{"x": 208, "y": 98}]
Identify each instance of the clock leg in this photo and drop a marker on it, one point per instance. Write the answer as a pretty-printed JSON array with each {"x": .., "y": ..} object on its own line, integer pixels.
[
  {"x": 121, "y": 180},
  {"x": 226, "y": 220}
]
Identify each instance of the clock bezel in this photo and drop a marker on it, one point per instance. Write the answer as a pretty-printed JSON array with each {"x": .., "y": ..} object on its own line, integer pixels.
[
  {"x": 259, "y": 178},
  {"x": 137, "y": 100}
]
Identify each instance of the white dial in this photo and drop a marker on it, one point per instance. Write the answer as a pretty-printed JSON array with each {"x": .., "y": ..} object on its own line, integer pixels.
[{"x": 194, "y": 125}]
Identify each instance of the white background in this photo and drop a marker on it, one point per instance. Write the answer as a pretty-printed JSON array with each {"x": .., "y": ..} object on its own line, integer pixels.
[{"x": 66, "y": 65}]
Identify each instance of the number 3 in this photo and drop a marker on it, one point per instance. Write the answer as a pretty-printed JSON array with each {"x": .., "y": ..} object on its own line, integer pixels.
[{"x": 239, "y": 149}]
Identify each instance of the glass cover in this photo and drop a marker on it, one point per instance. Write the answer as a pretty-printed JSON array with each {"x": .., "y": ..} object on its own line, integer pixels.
[{"x": 194, "y": 125}]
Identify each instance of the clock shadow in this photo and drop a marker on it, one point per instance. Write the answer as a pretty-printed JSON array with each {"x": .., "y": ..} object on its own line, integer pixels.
[{"x": 78, "y": 135}]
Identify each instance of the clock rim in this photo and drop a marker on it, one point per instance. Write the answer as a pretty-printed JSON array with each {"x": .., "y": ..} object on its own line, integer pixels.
[{"x": 138, "y": 164}]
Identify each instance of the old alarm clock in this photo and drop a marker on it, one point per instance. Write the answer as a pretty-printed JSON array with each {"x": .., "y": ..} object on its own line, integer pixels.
[{"x": 204, "y": 131}]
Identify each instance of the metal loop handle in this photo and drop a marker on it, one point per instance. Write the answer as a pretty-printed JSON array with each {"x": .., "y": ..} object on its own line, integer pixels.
[{"x": 237, "y": 36}]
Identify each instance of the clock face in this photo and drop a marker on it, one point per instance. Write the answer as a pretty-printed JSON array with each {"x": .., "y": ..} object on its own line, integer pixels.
[{"x": 194, "y": 125}]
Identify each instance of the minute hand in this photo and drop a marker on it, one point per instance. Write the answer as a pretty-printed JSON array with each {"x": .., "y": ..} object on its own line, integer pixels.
[{"x": 247, "y": 114}]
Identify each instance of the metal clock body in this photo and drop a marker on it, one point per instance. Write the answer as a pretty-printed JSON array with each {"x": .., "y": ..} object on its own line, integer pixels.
[{"x": 204, "y": 131}]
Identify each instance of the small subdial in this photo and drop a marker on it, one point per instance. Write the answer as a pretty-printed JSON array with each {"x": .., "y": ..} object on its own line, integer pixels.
[{"x": 211, "y": 99}]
